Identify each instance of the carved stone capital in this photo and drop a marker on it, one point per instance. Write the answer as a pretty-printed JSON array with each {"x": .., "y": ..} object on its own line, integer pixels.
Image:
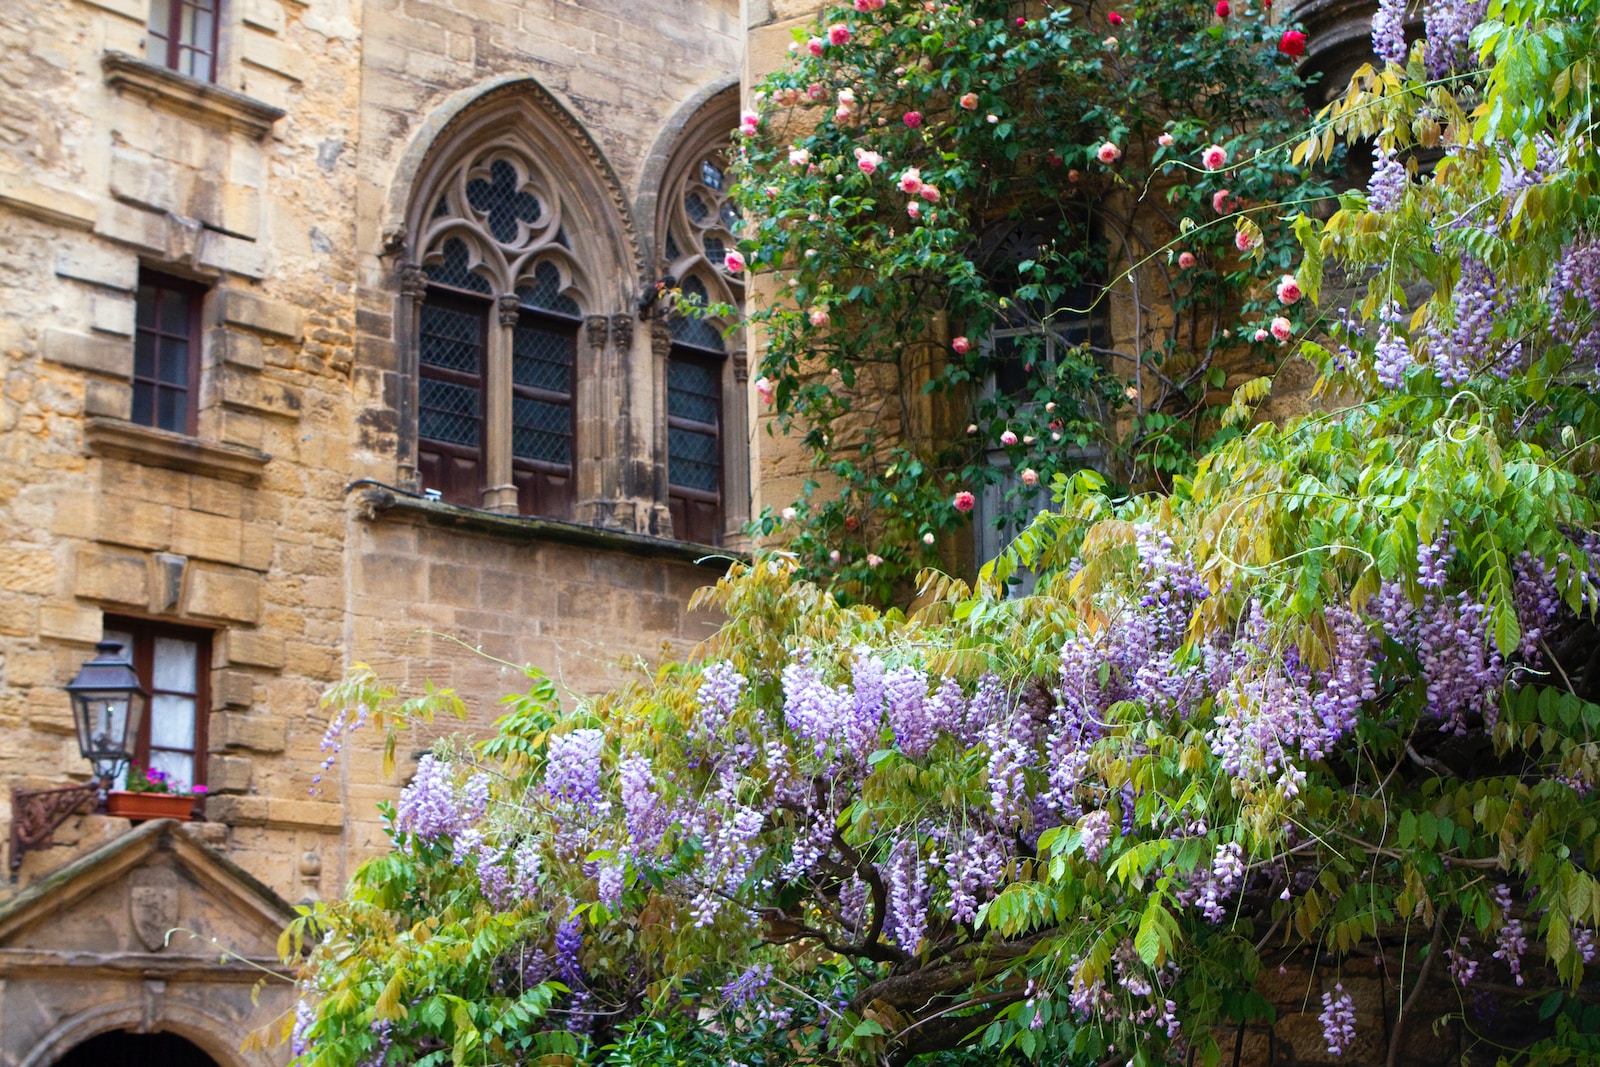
[
  {"x": 413, "y": 282},
  {"x": 741, "y": 365},
  {"x": 598, "y": 329},
  {"x": 622, "y": 332},
  {"x": 510, "y": 309},
  {"x": 660, "y": 337}
]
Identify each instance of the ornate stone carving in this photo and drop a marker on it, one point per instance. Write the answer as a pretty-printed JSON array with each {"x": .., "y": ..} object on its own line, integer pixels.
[
  {"x": 413, "y": 282},
  {"x": 153, "y": 905},
  {"x": 622, "y": 332},
  {"x": 598, "y": 329},
  {"x": 510, "y": 309},
  {"x": 741, "y": 365}
]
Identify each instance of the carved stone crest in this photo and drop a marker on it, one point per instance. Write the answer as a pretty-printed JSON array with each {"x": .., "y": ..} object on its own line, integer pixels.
[{"x": 153, "y": 905}]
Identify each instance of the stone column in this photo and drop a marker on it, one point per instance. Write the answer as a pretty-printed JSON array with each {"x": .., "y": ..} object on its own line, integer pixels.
[
  {"x": 736, "y": 449},
  {"x": 656, "y": 483},
  {"x": 413, "y": 286},
  {"x": 595, "y": 428},
  {"x": 500, "y": 491}
]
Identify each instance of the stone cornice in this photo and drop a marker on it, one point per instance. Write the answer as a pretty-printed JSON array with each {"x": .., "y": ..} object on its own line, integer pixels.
[
  {"x": 190, "y": 96},
  {"x": 378, "y": 502},
  {"x": 15, "y": 962},
  {"x": 162, "y": 448}
]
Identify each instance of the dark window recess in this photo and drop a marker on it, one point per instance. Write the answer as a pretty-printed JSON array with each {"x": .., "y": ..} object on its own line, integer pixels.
[
  {"x": 543, "y": 353},
  {"x": 166, "y": 353},
  {"x": 695, "y": 330},
  {"x": 183, "y": 37},
  {"x": 450, "y": 396},
  {"x": 174, "y": 666},
  {"x": 694, "y": 445}
]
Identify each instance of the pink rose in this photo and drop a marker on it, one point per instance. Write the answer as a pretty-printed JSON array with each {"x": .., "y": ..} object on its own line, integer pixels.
[
  {"x": 790, "y": 514},
  {"x": 838, "y": 33},
  {"x": 972, "y": 428},
  {"x": 1115, "y": 18},
  {"x": 1214, "y": 157},
  {"x": 1108, "y": 153},
  {"x": 816, "y": 45},
  {"x": 912, "y": 119},
  {"x": 873, "y": 559},
  {"x": 1185, "y": 260},
  {"x": 816, "y": 92},
  {"x": 1165, "y": 140},
  {"x": 929, "y": 193},
  {"x": 964, "y": 501},
  {"x": 733, "y": 262},
  {"x": 1261, "y": 335},
  {"x": 969, "y": 101},
  {"x": 818, "y": 316},
  {"x": 1288, "y": 290},
  {"x": 1222, "y": 201},
  {"x": 748, "y": 121},
  {"x": 833, "y": 557},
  {"x": 799, "y": 157},
  {"x": 1244, "y": 240},
  {"x": 869, "y": 162},
  {"x": 914, "y": 209},
  {"x": 842, "y": 113},
  {"x": 1223, "y": 10},
  {"x": 961, "y": 346},
  {"x": 868, "y": 5},
  {"x": 765, "y": 389},
  {"x": 910, "y": 181},
  {"x": 927, "y": 538},
  {"x": 1030, "y": 476},
  {"x": 1008, "y": 438},
  {"x": 1281, "y": 328}
]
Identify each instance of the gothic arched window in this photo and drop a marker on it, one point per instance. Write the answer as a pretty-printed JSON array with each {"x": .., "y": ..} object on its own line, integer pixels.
[{"x": 497, "y": 339}]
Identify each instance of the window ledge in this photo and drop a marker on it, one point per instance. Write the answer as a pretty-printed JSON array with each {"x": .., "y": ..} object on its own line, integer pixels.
[
  {"x": 163, "y": 448},
  {"x": 375, "y": 501},
  {"x": 190, "y": 96}
]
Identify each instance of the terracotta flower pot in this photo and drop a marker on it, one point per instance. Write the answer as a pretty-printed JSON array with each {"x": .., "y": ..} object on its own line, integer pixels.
[{"x": 141, "y": 807}]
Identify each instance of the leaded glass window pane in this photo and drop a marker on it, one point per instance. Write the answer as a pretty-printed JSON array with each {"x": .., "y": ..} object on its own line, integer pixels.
[
  {"x": 451, "y": 338},
  {"x": 541, "y": 358},
  {"x": 692, "y": 391},
  {"x": 545, "y": 292},
  {"x": 541, "y": 430},
  {"x": 711, "y": 175},
  {"x": 452, "y": 269},
  {"x": 448, "y": 413},
  {"x": 502, "y": 202},
  {"x": 692, "y": 459}
]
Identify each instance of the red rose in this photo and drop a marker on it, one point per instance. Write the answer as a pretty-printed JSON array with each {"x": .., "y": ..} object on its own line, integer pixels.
[
  {"x": 1115, "y": 18},
  {"x": 1293, "y": 43},
  {"x": 1223, "y": 10}
]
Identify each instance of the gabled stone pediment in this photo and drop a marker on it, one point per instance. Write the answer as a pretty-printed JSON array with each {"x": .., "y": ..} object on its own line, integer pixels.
[{"x": 154, "y": 892}]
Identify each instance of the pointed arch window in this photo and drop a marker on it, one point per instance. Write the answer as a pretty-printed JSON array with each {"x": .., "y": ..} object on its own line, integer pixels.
[
  {"x": 497, "y": 335},
  {"x": 694, "y": 423}
]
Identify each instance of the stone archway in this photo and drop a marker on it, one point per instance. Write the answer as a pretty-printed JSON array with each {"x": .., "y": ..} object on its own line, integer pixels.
[{"x": 123, "y": 1048}]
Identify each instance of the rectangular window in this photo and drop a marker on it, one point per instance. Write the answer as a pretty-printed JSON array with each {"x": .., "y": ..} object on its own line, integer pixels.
[
  {"x": 166, "y": 352},
  {"x": 450, "y": 415},
  {"x": 173, "y": 664},
  {"x": 694, "y": 446},
  {"x": 543, "y": 355},
  {"x": 183, "y": 37}
]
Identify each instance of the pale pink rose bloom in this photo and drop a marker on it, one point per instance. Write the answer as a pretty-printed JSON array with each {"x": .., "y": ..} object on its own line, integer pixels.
[
  {"x": 765, "y": 389},
  {"x": 910, "y": 181},
  {"x": 873, "y": 559},
  {"x": 929, "y": 193},
  {"x": 1222, "y": 201},
  {"x": 961, "y": 345},
  {"x": 733, "y": 262},
  {"x": 847, "y": 95},
  {"x": 748, "y": 121},
  {"x": 816, "y": 91},
  {"x": 799, "y": 157},
  {"x": 818, "y": 316},
  {"x": 1281, "y": 328},
  {"x": 1165, "y": 140},
  {"x": 1008, "y": 438},
  {"x": 1111, "y": 43},
  {"x": 1244, "y": 240},
  {"x": 868, "y": 5},
  {"x": 1108, "y": 153},
  {"x": 816, "y": 45},
  {"x": 790, "y": 514},
  {"x": 869, "y": 162},
  {"x": 992, "y": 119},
  {"x": 842, "y": 114},
  {"x": 1051, "y": 406},
  {"x": 1214, "y": 157},
  {"x": 833, "y": 557},
  {"x": 1185, "y": 260},
  {"x": 969, "y": 101},
  {"x": 838, "y": 33},
  {"x": 1288, "y": 290},
  {"x": 914, "y": 209},
  {"x": 1261, "y": 335},
  {"x": 1030, "y": 476},
  {"x": 972, "y": 428},
  {"x": 964, "y": 501},
  {"x": 927, "y": 538}
]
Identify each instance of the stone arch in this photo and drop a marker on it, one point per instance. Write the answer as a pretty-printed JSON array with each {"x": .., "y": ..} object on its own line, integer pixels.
[
  {"x": 518, "y": 118},
  {"x": 680, "y": 239},
  {"x": 718, "y": 97},
  {"x": 200, "y": 1029}
]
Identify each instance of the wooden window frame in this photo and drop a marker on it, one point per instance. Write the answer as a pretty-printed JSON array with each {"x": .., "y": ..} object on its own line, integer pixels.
[
  {"x": 553, "y": 323},
  {"x": 482, "y": 308},
  {"x": 717, "y": 361},
  {"x": 166, "y": 283},
  {"x": 144, "y": 633},
  {"x": 176, "y": 45}
]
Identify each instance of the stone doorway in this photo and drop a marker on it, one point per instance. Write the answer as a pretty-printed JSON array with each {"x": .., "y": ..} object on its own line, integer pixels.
[{"x": 119, "y": 1048}]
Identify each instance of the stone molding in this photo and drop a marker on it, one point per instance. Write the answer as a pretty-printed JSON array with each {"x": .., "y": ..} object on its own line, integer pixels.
[
  {"x": 117, "y": 439},
  {"x": 190, "y": 96}
]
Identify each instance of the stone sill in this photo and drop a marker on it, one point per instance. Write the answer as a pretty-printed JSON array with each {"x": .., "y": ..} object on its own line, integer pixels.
[
  {"x": 376, "y": 501},
  {"x": 190, "y": 96},
  {"x": 118, "y": 439}
]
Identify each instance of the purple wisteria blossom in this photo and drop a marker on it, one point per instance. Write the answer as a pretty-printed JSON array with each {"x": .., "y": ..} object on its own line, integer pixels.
[
  {"x": 1338, "y": 1020},
  {"x": 908, "y": 896},
  {"x": 1389, "y": 31},
  {"x": 572, "y": 772},
  {"x": 429, "y": 806}
]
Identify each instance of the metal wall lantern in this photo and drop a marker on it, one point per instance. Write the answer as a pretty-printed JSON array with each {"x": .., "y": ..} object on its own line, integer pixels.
[{"x": 108, "y": 704}]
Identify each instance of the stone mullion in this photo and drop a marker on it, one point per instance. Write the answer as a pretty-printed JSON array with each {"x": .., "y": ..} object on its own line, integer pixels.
[
  {"x": 413, "y": 287},
  {"x": 500, "y": 490},
  {"x": 660, "y": 352},
  {"x": 735, "y": 449},
  {"x": 594, "y": 427}
]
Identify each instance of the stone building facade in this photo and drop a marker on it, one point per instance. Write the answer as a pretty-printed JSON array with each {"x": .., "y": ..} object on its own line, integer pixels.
[{"x": 331, "y": 334}]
